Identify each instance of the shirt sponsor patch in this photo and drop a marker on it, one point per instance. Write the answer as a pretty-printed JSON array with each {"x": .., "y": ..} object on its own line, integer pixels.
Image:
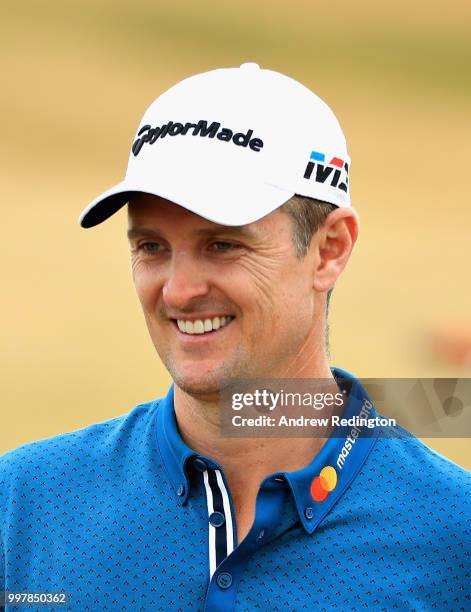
[{"x": 323, "y": 484}]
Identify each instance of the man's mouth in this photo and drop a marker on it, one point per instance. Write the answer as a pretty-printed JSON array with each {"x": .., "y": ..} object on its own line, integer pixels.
[{"x": 203, "y": 326}]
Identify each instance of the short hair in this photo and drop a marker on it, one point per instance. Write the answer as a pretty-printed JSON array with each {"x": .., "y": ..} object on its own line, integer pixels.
[{"x": 308, "y": 215}]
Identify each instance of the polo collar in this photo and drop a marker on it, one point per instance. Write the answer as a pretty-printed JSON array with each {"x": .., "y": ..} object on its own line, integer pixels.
[
  {"x": 316, "y": 487},
  {"x": 176, "y": 454}
]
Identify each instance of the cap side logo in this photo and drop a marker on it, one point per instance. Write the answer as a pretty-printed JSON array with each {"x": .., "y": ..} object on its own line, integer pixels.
[
  {"x": 335, "y": 171},
  {"x": 150, "y": 135}
]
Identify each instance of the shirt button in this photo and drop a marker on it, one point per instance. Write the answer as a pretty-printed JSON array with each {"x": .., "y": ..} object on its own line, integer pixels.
[
  {"x": 181, "y": 490},
  {"x": 224, "y": 580},
  {"x": 217, "y": 519},
  {"x": 261, "y": 535},
  {"x": 200, "y": 465},
  {"x": 309, "y": 512}
]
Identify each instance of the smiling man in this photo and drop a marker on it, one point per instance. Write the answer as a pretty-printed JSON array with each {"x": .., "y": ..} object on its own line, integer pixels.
[
  {"x": 239, "y": 225},
  {"x": 219, "y": 304}
]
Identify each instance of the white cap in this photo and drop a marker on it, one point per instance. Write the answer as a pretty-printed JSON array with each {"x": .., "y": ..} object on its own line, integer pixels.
[{"x": 232, "y": 145}]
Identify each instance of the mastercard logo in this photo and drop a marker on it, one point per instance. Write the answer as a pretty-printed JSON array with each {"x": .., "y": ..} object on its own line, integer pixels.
[{"x": 323, "y": 484}]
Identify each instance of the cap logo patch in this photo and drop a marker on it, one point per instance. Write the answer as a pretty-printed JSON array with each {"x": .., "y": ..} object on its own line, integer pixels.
[
  {"x": 334, "y": 172},
  {"x": 150, "y": 135}
]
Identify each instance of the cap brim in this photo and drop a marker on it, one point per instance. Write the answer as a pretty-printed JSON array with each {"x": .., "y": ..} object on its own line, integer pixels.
[{"x": 216, "y": 200}]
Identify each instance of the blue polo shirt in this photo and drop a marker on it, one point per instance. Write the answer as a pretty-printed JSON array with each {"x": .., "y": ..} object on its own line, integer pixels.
[{"x": 123, "y": 515}]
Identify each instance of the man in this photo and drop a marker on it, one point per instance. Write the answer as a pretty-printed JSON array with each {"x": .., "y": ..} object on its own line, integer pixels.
[{"x": 239, "y": 224}]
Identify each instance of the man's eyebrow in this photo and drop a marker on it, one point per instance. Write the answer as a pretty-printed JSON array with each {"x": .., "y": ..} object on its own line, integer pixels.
[
  {"x": 135, "y": 232},
  {"x": 229, "y": 230}
]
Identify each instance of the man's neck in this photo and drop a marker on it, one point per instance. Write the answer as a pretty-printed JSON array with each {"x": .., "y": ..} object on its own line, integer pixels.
[
  {"x": 249, "y": 459},
  {"x": 246, "y": 462}
]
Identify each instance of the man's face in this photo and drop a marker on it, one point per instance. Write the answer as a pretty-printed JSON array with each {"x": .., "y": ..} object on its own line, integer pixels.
[{"x": 187, "y": 269}]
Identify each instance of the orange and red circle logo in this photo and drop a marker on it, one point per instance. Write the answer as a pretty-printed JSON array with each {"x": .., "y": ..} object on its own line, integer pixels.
[{"x": 323, "y": 484}]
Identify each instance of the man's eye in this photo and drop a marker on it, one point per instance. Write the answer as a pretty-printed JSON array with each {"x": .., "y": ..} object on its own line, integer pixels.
[
  {"x": 223, "y": 245},
  {"x": 150, "y": 247}
]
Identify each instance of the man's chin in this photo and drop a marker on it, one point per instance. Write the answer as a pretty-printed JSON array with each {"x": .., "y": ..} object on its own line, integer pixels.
[
  {"x": 205, "y": 378},
  {"x": 201, "y": 384},
  {"x": 203, "y": 388}
]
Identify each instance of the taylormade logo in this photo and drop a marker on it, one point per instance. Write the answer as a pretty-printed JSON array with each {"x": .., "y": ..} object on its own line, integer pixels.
[{"x": 150, "y": 135}]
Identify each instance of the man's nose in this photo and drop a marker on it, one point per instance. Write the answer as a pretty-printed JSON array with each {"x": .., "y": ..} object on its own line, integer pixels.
[{"x": 185, "y": 282}]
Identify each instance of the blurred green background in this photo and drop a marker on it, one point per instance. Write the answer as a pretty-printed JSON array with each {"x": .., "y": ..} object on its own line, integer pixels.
[{"x": 77, "y": 77}]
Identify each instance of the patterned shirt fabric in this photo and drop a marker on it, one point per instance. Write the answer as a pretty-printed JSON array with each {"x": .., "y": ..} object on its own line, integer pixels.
[{"x": 123, "y": 515}]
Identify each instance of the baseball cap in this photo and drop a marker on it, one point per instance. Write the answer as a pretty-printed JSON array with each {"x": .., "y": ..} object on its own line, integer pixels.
[{"x": 232, "y": 145}]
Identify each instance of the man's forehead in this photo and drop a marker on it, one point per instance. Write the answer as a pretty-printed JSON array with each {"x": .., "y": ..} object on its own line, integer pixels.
[
  {"x": 152, "y": 215},
  {"x": 142, "y": 229}
]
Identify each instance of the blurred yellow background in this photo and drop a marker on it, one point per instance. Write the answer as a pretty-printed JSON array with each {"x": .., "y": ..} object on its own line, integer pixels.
[{"x": 78, "y": 76}]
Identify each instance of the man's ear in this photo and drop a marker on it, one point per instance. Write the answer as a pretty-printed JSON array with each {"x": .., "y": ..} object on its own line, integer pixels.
[{"x": 334, "y": 243}]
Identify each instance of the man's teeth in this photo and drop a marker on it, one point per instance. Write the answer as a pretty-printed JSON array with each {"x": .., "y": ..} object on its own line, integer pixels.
[{"x": 202, "y": 326}]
